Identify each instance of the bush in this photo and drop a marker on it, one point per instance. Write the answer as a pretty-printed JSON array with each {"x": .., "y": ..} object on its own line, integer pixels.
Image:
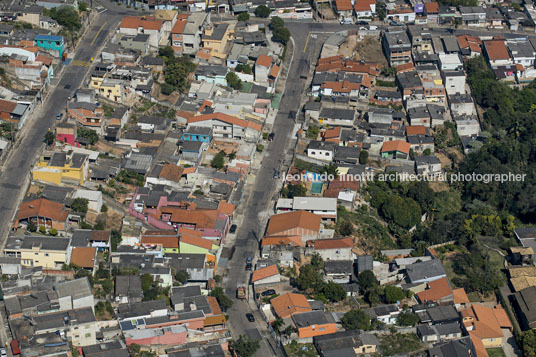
[
  {"x": 262, "y": 11},
  {"x": 282, "y": 35},
  {"x": 53, "y": 232},
  {"x": 233, "y": 81},
  {"x": 166, "y": 89},
  {"x": 104, "y": 208},
  {"x": 260, "y": 148},
  {"x": 80, "y": 205},
  {"x": 243, "y": 16},
  {"x": 31, "y": 227},
  {"x": 42, "y": 229},
  {"x": 218, "y": 161},
  {"x": 276, "y": 22},
  {"x": 363, "y": 157}
]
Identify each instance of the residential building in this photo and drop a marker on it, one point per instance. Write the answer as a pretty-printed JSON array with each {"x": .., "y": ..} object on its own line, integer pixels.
[
  {"x": 497, "y": 53},
  {"x": 454, "y": 82},
  {"x": 333, "y": 249},
  {"x": 395, "y": 149},
  {"x": 75, "y": 294},
  {"x": 397, "y": 47},
  {"x": 227, "y": 126},
  {"x": 266, "y": 275},
  {"x": 62, "y": 166},
  {"x": 304, "y": 224},
  {"x": 473, "y": 16},
  {"x": 525, "y": 309},
  {"x": 79, "y": 325},
  {"x": 216, "y": 38},
  {"x": 84, "y": 257},
  {"x": 344, "y": 343},
  {"x": 42, "y": 212},
  {"x": 337, "y": 117},
  {"x": 486, "y": 324},
  {"x": 321, "y": 150},
  {"x": 314, "y": 323},
  {"x": 388, "y": 314},
  {"x": 54, "y": 45},
  {"x": 364, "y": 9},
  {"x": 325, "y": 207},
  {"x": 186, "y": 33},
  {"x": 94, "y": 199},
  {"x": 46, "y": 252},
  {"x": 133, "y": 25},
  {"x": 66, "y": 133},
  {"x": 128, "y": 289},
  {"x": 425, "y": 272},
  {"x": 288, "y": 304},
  {"x": 427, "y": 165},
  {"x": 436, "y": 333},
  {"x": 522, "y": 53}
]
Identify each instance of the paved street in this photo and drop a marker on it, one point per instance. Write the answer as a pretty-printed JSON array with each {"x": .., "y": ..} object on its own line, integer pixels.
[
  {"x": 17, "y": 168},
  {"x": 252, "y": 227}
]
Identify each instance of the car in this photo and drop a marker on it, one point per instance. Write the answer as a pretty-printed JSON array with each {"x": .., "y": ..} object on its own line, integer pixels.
[
  {"x": 271, "y": 136},
  {"x": 361, "y": 23},
  {"x": 268, "y": 292},
  {"x": 276, "y": 174},
  {"x": 3, "y": 352},
  {"x": 249, "y": 266},
  {"x": 250, "y": 317},
  {"x": 232, "y": 229},
  {"x": 59, "y": 116},
  {"x": 249, "y": 260},
  {"x": 292, "y": 114}
]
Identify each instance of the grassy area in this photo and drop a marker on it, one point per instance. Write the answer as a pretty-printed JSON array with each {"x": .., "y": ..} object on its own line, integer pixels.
[
  {"x": 373, "y": 235},
  {"x": 380, "y": 83},
  {"x": 399, "y": 343},
  {"x": 295, "y": 349},
  {"x": 495, "y": 352}
]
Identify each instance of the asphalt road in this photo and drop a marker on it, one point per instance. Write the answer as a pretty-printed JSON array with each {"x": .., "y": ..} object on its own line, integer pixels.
[
  {"x": 17, "y": 168},
  {"x": 251, "y": 230}
]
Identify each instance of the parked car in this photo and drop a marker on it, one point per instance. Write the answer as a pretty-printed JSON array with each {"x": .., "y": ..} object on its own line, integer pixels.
[
  {"x": 271, "y": 136},
  {"x": 276, "y": 174},
  {"x": 59, "y": 116},
  {"x": 3, "y": 352},
  {"x": 250, "y": 317},
  {"x": 249, "y": 260},
  {"x": 232, "y": 229},
  {"x": 268, "y": 292},
  {"x": 249, "y": 266}
]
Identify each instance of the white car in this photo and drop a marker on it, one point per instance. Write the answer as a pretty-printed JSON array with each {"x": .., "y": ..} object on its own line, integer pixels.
[{"x": 3, "y": 352}]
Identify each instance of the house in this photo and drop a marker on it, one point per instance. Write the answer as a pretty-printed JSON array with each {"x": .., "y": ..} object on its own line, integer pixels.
[
  {"x": 305, "y": 224},
  {"x": 165, "y": 240},
  {"x": 521, "y": 255},
  {"x": 141, "y": 310},
  {"x": 486, "y": 324},
  {"x": 410, "y": 85},
  {"x": 463, "y": 347},
  {"x": 382, "y": 115},
  {"x": 66, "y": 133},
  {"x": 522, "y": 53},
  {"x": 227, "y": 126},
  {"x": 216, "y": 38},
  {"x": 78, "y": 325},
  {"x": 337, "y": 117},
  {"x": 62, "y": 167},
  {"x": 437, "y": 333},
  {"x": 346, "y": 343},
  {"x": 128, "y": 289},
  {"x": 288, "y": 304},
  {"x": 46, "y": 252},
  {"x": 419, "y": 116},
  {"x": 431, "y": 11},
  {"x": 524, "y": 306},
  {"x": 325, "y": 207},
  {"x": 424, "y": 272},
  {"x": 314, "y": 323},
  {"x": 344, "y": 9},
  {"x": 266, "y": 275},
  {"x": 420, "y": 143},
  {"x": 160, "y": 275},
  {"x": 388, "y": 314},
  {"x": 397, "y": 47},
  {"x": 54, "y": 45},
  {"x": 186, "y": 33},
  {"x": 133, "y": 25},
  {"x": 427, "y": 165},
  {"x": 395, "y": 149},
  {"x": 94, "y": 199},
  {"x": 87, "y": 115},
  {"x": 152, "y": 123},
  {"x": 333, "y": 249},
  {"x": 321, "y": 150},
  {"x": 262, "y": 69},
  {"x": 84, "y": 257},
  {"x": 75, "y": 294},
  {"x": 497, "y": 53},
  {"x": 450, "y": 62},
  {"x": 338, "y": 271},
  {"x": 42, "y": 212},
  {"x": 467, "y": 127},
  {"x": 454, "y": 82},
  {"x": 462, "y": 104},
  {"x": 364, "y": 9},
  {"x": 14, "y": 112},
  {"x": 473, "y": 16},
  {"x": 91, "y": 238},
  {"x": 191, "y": 242},
  {"x": 197, "y": 134},
  {"x": 437, "y": 291},
  {"x": 470, "y": 46}
]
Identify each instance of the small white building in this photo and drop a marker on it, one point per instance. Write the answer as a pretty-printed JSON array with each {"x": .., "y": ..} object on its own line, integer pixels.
[
  {"x": 94, "y": 198},
  {"x": 321, "y": 150},
  {"x": 266, "y": 275},
  {"x": 468, "y": 127},
  {"x": 454, "y": 82},
  {"x": 450, "y": 62}
]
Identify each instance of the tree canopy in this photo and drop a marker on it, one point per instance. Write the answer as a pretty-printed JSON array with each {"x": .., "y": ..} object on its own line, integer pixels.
[
  {"x": 356, "y": 320},
  {"x": 233, "y": 81},
  {"x": 244, "y": 346},
  {"x": 67, "y": 16},
  {"x": 243, "y": 16},
  {"x": 262, "y": 11},
  {"x": 223, "y": 300}
]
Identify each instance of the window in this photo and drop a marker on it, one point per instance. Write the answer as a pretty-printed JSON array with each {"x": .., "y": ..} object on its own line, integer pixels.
[
  {"x": 327, "y": 154},
  {"x": 88, "y": 335},
  {"x": 46, "y": 254}
]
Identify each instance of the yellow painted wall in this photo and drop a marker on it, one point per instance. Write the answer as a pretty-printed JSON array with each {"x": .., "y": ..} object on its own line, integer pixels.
[
  {"x": 55, "y": 174},
  {"x": 39, "y": 258}
]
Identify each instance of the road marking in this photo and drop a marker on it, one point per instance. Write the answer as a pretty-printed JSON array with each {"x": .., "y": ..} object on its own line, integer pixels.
[
  {"x": 97, "y": 34},
  {"x": 306, "y": 42},
  {"x": 78, "y": 63}
]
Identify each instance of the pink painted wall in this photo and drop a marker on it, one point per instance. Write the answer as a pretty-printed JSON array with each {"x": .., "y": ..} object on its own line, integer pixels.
[{"x": 168, "y": 338}]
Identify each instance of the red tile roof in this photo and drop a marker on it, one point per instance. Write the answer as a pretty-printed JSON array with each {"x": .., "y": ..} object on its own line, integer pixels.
[
  {"x": 42, "y": 207},
  {"x": 84, "y": 257},
  {"x": 496, "y": 50},
  {"x": 264, "y": 273},
  {"x": 295, "y": 241},
  {"x": 179, "y": 26},
  {"x": 321, "y": 244},
  {"x": 196, "y": 241},
  {"x": 289, "y": 304},
  {"x": 168, "y": 241},
  {"x": 280, "y": 223},
  {"x": 437, "y": 290},
  {"x": 227, "y": 119},
  {"x": 265, "y": 61},
  {"x": 396, "y": 145},
  {"x": 7, "y": 106},
  {"x": 460, "y": 297},
  {"x": 275, "y": 71},
  {"x": 343, "y": 5},
  {"x": 363, "y": 5},
  {"x": 415, "y": 130},
  {"x": 171, "y": 172},
  {"x": 431, "y": 7}
]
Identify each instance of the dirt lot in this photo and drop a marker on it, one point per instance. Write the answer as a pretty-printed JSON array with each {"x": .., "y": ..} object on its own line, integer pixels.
[
  {"x": 326, "y": 12},
  {"x": 369, "y": 49}
]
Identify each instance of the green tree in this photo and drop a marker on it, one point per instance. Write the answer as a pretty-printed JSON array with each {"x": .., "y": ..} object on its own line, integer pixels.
[
  {"x": 356, "y": 320},
  {"x": 176, "y": 72},
  {"x": 408, "y": 318},
  {"x": 331, "y": 169},
  {"x": 146, "y": 282},
  {"x": 82, "y": 6},
  {"x": 67, "y": 16},
  {"x": 42, "y": 229},
  {"x": 345, "y": 228},
  {"x": 31, "y": 227},
  {"x": 405, "y": 212},
  {"x": 317, "y": 262},
  {"x": 367, "y": 280},
  {"x": 276, "y": 22},
  {"x": 309, "y": 278},
  {"x": 334, "y": 292},
  {"x": 294, "y": 190},
  {"x": 89, "y": 134},
  {"x": 243, "y": 16},
  {"x": 528, "y": 343},
  {"x": 223, "y": 300},
  {"x": 363, "y": 157},
  {"x": 312, "y": 132},
  {"x": 393, "y": 294},
  {"x": 182, "y": 276},
  {"x": 372, "y": 295},
  {"x": 233, "y": 81},
  {"x": 166, "y": 89},
  {"x": 218, "y": 161},
  {"x": 50, "y": 138},
  {"x": 53, "y": 232},
  {"x": 80, "y": 205},
  {"x": 427, "y": 152},
  {"x": 245, "y": 346},
  {"x": 281, "y": 34},
  {"x": 262, "y": 11},
  {"x": 104, "y": 208},
  {"x": 167, "y": 52},
  {"x": 115, "y": 239}
]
